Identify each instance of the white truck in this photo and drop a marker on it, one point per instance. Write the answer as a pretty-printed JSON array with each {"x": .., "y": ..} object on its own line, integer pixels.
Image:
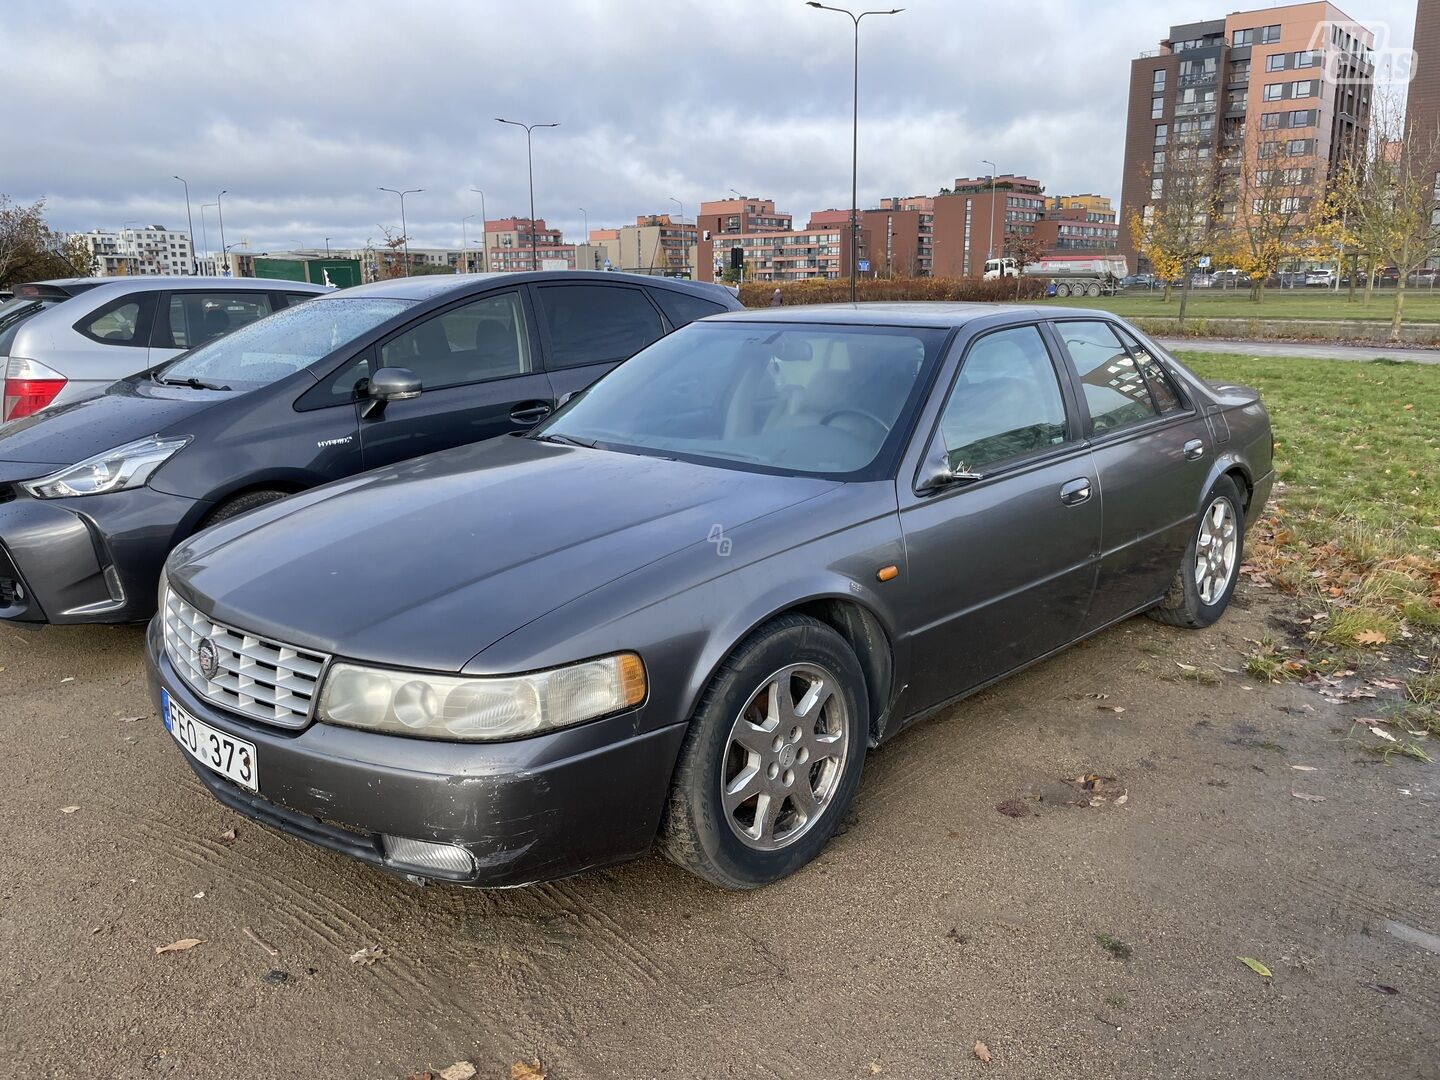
[{"x": 1071, "y": 275}]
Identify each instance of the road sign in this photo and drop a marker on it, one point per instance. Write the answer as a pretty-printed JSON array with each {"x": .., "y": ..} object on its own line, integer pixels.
[
  {"x": 1203, "y": 261},
  {"x": 864, "y": 266}
]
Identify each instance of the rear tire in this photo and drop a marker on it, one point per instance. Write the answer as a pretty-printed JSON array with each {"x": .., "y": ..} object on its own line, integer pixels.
[
  {"x": 241, "y": 504},
  {"x": 1062, "y": 289},
  {"x": 772, "y": 758},
  {"x": 1093, "y": 289},
  {"x": 1205, "y": 582}
]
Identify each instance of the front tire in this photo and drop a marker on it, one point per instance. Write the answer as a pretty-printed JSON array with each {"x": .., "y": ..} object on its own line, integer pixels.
[
  {"x": 241, "y": 504},
  {"x": 1206, "y": 579},
  {"x": 772, "y": 758}
]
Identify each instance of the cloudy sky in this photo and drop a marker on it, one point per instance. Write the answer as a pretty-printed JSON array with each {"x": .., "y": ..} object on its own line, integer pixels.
[{"x": 302, "y": 108}]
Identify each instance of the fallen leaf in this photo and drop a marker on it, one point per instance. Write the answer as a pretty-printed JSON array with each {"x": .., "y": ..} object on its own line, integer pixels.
[
  {"x": 68, "y": 678},
  {"x": 369, "y": 955},
  {"x": 1112, "y": 708},
  {"x": 179, "y": 946},
  {"x": 1255, "y": 966},
  {"x": 1303, "y": 768},
  {"x": 226, "y": 837},
  {"x": 1307, "y": 798},
  {"x": 1122, "y": 800},
  {"x": 1370, "y": 637},
  {"x": 461, "y": 1070},
  {"x": 68, "y": 809},
  {"x": 1186, "y": 667},
  {"x": 527, "y": 1070},
  {"x": 198, "y": 896},
  {"x": 982, "y": 1052},
  {"x": 1381, "y": 987}
]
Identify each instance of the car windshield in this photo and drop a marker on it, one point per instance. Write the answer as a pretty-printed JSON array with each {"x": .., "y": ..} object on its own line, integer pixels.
[
  {"x": 815, "y": 399},
  {"x": 281, "y": 344}
]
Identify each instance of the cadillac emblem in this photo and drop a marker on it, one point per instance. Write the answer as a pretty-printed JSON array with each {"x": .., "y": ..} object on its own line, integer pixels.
[{"x": 208, "y": 659}]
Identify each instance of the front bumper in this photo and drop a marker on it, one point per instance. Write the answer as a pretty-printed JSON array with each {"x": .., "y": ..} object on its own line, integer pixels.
[
  {"x": 91, "y": 559},
  {"x": 528, "y": 810}
]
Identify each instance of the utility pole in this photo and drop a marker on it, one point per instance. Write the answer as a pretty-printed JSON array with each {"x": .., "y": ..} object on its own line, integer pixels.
[
  {"x": 189, "y": 221},
  {"x": 484, "y": 235},
  {"x": 990, "y": 246},
  {"x": 530, "y": 167},
  {"x": 404, "y": 232},
  {"x": 224, "y": 250}
]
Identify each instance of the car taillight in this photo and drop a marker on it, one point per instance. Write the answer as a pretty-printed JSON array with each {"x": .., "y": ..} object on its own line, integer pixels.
[{"x": 29, "y": 387}]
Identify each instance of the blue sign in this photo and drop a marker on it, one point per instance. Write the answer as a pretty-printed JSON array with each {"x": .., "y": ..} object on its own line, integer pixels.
[{"x": 864, "y": 266}]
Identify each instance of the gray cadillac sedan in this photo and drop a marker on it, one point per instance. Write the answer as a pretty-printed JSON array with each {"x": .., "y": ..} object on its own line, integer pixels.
[{"x": 685, "y": 606}]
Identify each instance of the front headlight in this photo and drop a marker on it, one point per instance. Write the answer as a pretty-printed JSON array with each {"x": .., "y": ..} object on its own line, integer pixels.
[
  {"x": 479, "y": 708},
  {"x": 124, "y": 467}
]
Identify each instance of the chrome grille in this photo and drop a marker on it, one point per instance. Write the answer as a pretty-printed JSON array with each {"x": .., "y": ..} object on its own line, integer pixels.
[{"x": 256, "y": 678}]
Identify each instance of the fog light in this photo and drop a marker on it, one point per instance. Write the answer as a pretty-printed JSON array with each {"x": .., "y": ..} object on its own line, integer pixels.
[{"x": 423, "y": 854}]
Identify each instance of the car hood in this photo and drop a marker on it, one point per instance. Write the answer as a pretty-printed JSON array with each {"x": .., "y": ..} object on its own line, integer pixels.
[
  {"x": 427, "y": 563},
  {"x": 127, "y": 410}
]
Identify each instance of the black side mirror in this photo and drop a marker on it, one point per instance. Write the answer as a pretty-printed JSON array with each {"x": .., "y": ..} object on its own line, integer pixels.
[{"x": 389, "y": 384}]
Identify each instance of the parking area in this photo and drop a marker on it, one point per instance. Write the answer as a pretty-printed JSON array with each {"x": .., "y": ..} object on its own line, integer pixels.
[{"x": 979, "y": 894}]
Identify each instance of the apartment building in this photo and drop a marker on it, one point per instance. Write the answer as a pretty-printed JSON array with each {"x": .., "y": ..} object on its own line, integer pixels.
[
  {"x": 1077, "y": 224},
  {"x": 780, "y": 255},
  {"x": 657, "y": 244},
  {"x": 1290, "y": 83},
  {"x": 508, "y": 246},
  {"x": 742, "y": 215},
  {"x": 153, "y": 249},
  {"x": 1422, "y": 103},
  {"x": 972, "y": 220}
]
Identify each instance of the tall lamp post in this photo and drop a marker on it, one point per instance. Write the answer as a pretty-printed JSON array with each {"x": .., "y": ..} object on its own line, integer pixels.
[
  {"x": 205, "y": 233},
  {"x": 404, "y": 232},
  {"x": 484, "y": 236},
  {"x": 530, "y": 166},
  {"x": 224, "y": 250},
  {"x": 189, "y": 221},
  {"x": 327, "y": 247},
  {"x": 465, "y": 242},
  {"x": 585, "y": 217},
  {"x": 854, "y": 140},
  {"x": 990, "y": 246},
  {"x": 681, "y": 205}
]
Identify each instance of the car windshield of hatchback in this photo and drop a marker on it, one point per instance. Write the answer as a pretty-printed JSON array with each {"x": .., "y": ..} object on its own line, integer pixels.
[
  {"x": 280, "y": 344},
  {"x": 814, "y": 399}
]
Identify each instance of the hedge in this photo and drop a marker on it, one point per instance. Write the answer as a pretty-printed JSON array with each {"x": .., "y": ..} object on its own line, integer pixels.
[{"x": 825, "y": 291}]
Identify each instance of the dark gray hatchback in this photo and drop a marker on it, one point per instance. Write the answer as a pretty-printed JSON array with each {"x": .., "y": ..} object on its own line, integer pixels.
[
  {"x": 688, "y": 604},
  {"x": 96, "y": 492}
]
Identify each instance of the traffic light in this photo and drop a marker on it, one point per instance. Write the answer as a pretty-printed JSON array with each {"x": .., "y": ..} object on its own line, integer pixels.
[{"x": 737, "y": 258}]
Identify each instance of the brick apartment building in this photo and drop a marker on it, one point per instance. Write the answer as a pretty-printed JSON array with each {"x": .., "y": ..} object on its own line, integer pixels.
[
  {"x": 743, "y": 215},
  {"x": 972, "y": 220},
  {"x": 1291, "y": 83},
  {"x": 507, "y": 245},
  {"x": 1422, "y": 103},
  {"x": 1077, "y": 224}
]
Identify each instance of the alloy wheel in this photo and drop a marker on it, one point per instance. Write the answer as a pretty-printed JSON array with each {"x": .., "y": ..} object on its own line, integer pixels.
[{"x": 1215, "y": 550}]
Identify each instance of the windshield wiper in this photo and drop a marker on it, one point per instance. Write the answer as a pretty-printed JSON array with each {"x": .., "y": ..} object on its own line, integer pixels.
[
  {"x": 566, "y": 440},
  {"x": 192, "y": 382}
]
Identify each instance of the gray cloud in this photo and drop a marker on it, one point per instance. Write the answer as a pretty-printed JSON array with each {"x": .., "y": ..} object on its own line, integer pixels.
[{"x": 301, "y": 109}]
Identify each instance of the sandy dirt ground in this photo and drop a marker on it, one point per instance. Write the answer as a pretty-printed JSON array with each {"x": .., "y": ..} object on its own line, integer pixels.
[{"x": 967, "y": 901}]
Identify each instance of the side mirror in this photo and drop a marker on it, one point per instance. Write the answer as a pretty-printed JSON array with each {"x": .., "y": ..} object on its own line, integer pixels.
[
  {"x": 936, "y": 471},
  {"x": 389, "y": 384}
]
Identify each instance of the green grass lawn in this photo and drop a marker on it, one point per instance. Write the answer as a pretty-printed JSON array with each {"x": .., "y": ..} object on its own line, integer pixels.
[
  {"x": 1357, "y": 527},
  {"x": 1421, "y": 305}
]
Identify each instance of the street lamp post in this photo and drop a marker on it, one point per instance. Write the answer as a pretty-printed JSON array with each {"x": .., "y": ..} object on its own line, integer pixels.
[
  {"x": 224, "y": 250},
  {"x": 585, "y": 217},
  {"x": 327, "y": 247},
  {"x": 530, "y": 166},
  {"x": 990, "y": 245},
  {"x": 189, "y": 221},
  {"x": 205, "y": 233},
  {"x": 465, "y": 242},
  {"x": 404, "y": 232},
  {"x": 484, "y": 246},
  {"x": 854, "y": 140},
  {"x": 681, "y": 205}
]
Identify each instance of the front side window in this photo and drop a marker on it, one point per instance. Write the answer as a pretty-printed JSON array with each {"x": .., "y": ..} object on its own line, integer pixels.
[
  {"x": 281, "y": 345},
  {"x": 482, "y": 340},
  {"x": 197, "y": 317},
  {"x": 811, "y": 399},
  {"x": 594, "y": 324},
  {"x": 1005, "y": 403},
  {"x": 1115, "y": 391}
]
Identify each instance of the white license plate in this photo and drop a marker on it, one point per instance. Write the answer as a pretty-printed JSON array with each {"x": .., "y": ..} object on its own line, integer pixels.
[{"x": 232, "y": 758}]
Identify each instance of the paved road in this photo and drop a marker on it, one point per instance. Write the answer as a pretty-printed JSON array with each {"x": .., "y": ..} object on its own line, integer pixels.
[{"x": 1317, "y": 350}]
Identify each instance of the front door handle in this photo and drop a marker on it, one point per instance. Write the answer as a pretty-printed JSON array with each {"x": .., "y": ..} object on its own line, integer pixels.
[
  {"x": 1075, "y": 492},
  {"x": 530, "y": 412},
  {"x": 1194, "y": 450}
]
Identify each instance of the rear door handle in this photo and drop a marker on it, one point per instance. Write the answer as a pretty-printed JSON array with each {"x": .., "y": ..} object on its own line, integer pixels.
[
  {"x": 1075, "y": 492},
  {"x": 1194, "y": 449},
  {"x": 529, "y": 412}
]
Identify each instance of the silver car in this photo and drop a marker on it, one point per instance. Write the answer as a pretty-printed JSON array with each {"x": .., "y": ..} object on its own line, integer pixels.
[{"x": 62, "y": 340}]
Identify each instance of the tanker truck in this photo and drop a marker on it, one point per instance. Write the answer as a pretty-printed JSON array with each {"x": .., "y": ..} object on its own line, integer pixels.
[{"x": 1071, "y": 275}]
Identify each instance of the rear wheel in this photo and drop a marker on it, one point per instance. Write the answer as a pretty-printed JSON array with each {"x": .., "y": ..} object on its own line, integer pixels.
[
  {"x": 240, "y": 504},
  {"x": 1062, "y": 289},
  {"x": 1093, "y": 289},
  {"x": 1206, "y": 580},
  {"x": 772, "y": 759}
]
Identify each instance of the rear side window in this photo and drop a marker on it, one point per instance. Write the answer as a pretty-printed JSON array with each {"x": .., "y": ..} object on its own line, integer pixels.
[
  {"x": 682, "y": 308},
  {"x": 194, "y": 318},
  {"x": 1005, "y": 403},
  {"x": 125, "y": 321},
  {"x": 293, "y": 298},
  {"x": 1162, "y": 386},
  {"x": 596, "y": 324},
  {"x": 1115, "y": 391},
  {"x": 482, "y": 340}
]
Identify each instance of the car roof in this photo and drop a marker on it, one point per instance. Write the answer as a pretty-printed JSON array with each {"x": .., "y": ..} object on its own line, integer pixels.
[
  {"x": 927, "y": 313},
  {"x": 159, "y": 282},
  {"x": 426, "y": 286}
]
